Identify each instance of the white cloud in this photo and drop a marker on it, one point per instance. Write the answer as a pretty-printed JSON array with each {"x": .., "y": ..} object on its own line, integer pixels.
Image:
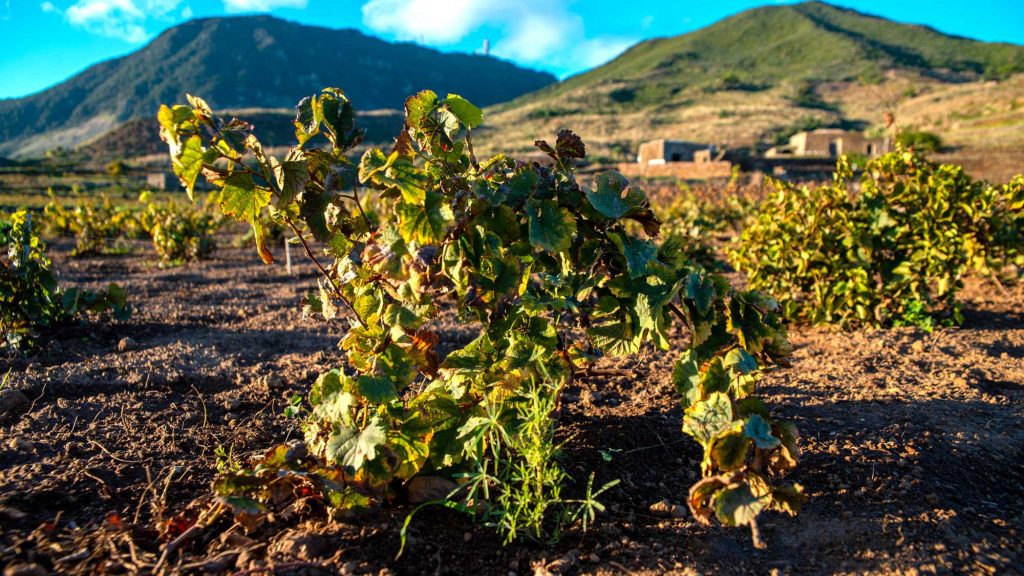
[
  {"x": 532, "y": 31},
  {"x": 123, "y": 19},
  {"x": 261, "y": 5}
]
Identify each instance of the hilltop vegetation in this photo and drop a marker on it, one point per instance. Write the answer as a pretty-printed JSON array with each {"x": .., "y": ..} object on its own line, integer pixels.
[
  {"x": 749, "y": 77},
  {"x": 245, "y": 62}
]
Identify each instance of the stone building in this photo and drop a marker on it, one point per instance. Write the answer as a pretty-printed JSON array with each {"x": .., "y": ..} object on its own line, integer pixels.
[
  {"x": 662, "y": 151},
  {"x": 830, "y": 143},
  {"x": 162, "y": 181}
]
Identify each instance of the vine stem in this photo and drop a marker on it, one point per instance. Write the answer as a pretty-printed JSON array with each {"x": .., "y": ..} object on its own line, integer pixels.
[{"x": 312, "y": 258}]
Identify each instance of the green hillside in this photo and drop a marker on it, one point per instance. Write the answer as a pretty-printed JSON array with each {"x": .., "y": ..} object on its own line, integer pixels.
[
  {"x": 770, "y": 46},
  {"x": 754, "y": 75}
]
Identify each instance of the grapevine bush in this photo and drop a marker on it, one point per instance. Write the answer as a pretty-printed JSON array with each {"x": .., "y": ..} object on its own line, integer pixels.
[
  {"x": 549, "y": 274},
  {"x": 98, "y": 227},
  {"x": 180, "y": 233},
  {"x": 30, "y": 299},
  {"x": 894, "y": 252}
]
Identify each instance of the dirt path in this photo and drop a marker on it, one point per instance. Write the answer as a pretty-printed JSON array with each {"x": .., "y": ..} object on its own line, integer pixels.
[{"x": 912, "y": 445}]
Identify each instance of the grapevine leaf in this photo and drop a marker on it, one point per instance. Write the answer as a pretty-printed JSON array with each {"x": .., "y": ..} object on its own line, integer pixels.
[
  {"x": 242, "y": 199},
  {"x": 189, "y": 162},
  {"x": 758, "y": 430},
  {"x": 372, "y": 163},
  {"x": 638, "y": 253},
  {"x": 376, "y": 389},
  {"x": 551, "y": 227},
  {"x": 788, "y": 499},
  {"x": 686, "y": 379},
  {"x": 354, "y": 449},
  {"x": 607, "y": 199},
  {"x": 730, "y": 450},
  {"x": 410, "y": 180},
  {"x": 418, "y": 107},
  {"x": 467, "y": 113},
  {"x": 706, "y": 419},
  {"x": 701, "y": 290},
  {"x": 615, "y": 338},
  {"x": 425, "y": 224},
  {"x": 570, "y": 146},
  {"x": 738, "y": 505}
]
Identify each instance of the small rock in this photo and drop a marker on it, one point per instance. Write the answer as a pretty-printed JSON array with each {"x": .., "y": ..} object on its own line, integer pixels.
[
  {"x": 917, "y": 346},
  {"x": 426, "y": 488},
  {"x": 302, "y": 545},
  {"x": 563, "y": 564},
  {"x": 25, "y": 570},
  {"x": 662, "y": 508},
  {"x": 678, "y": 511},
  {"x": 349, "y": 568},
  {"x": 467, "y": 537},
  {"x": 232, "y": 404},
  {"x": 594, "y": 558},
  {"x": 273, "y": 382},
  {"x": 126, "y": 344},
  {"x": 21, "y": 445},
  {"x": 11, "y": 401}
]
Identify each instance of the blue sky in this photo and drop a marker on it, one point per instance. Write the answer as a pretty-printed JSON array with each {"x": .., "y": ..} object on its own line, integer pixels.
[{"x": 46, "y": 41}]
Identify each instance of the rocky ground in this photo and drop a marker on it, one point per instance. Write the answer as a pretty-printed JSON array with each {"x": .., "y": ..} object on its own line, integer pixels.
[{"x": 912, "y": 446}]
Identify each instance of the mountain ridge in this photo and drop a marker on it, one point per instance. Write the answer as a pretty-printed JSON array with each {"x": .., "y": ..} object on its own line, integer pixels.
[{"x": 251, "y": 61}]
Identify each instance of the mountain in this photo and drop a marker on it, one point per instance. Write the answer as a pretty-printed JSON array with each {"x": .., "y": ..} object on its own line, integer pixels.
[
  {"x": 249, "y": 61},
  {"x": 755, "y": 76}
]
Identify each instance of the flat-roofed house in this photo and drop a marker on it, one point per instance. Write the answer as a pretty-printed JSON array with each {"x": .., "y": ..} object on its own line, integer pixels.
[{"x": 830, "y": 143}]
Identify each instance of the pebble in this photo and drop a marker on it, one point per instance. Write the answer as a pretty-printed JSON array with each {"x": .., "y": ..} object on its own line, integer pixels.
[
  {"x": 349, "y": 568},
  {"x": 11, "y": 401},
  {"x": 917, "y": 346},
  {"x": 661, "y": 508},
  {"x": 126, "y": 344}
]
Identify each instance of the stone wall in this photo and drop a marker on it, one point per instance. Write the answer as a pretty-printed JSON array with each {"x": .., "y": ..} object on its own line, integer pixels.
[{"x": 684, "y": 170}]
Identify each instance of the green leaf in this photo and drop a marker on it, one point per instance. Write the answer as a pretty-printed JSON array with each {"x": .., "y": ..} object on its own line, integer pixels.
[
  {"x": 189, "y": 162},
  {"x": 425, "y": 224},
  {"x": 410, "y": 180},
  {"x": 354, "y": 450},
  {"x": 551, "y": 227},
  {"x": 729, "y": 451},
  {"x": 467, "y": 113},
  {"x": 638, "y": 253},
  {"x": 372, "y": 163},
  {"x": 738, "y": 505},
  {"x": 686, "y": 379},
  {"x": 242, "y": 199},
  {"x": 758, "y": 430},
  {"x": 418, "y": 107},
  {"x": 615, "y": 338},
  {"x": 376, "y": 389},
  {"x": 612, "y": 199},
  {"x": 707, "y": 418},
  {"x": 291, "y": 177},
  {"x": 700, "y": 289},
  {"x": 788, "y": 499},
  {"x": 740, "y": 361}
]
